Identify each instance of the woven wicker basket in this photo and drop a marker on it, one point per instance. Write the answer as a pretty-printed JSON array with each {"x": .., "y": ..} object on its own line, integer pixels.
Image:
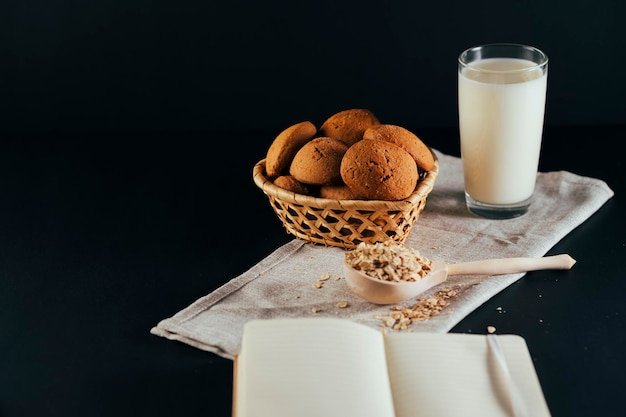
[{"x": 345, "y": 223}]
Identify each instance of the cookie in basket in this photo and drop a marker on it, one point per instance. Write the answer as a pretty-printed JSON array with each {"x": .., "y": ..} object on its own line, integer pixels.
[
  {"x": 337, "y": 192},
  {"x": 289, "y": 183},
  {"x": 318, "y": 162},
  {"x": 285, "y": 146},
  {"x": 348, "y": 125},
  {"x": 407, "y": 140},
  {"x": 379, "y": 170}
]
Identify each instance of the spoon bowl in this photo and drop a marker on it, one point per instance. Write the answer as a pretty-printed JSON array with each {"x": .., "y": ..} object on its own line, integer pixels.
[{"x": 378, "y": 291}]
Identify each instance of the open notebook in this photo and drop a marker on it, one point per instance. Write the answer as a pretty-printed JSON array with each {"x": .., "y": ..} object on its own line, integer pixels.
[{"x": 334, "y": 367}]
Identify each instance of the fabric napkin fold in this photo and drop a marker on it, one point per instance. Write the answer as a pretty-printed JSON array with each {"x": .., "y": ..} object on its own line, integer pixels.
[{"x": 301, "y": 279}]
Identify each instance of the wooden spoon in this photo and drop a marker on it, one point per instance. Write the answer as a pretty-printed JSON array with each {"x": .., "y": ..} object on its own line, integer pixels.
[{"x": 379, "y": 291}]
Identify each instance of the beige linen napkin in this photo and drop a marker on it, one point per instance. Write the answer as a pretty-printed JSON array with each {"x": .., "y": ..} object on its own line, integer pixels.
[{"x": 287, "y": 282}]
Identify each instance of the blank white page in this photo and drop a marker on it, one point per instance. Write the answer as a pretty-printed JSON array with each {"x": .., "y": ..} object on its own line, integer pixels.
[
  {"x": 311, "y": 368},
  {"x": 450, "y": 374}
]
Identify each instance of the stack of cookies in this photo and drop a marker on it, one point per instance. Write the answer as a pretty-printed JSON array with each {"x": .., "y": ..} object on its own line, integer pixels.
[{"x": 352, "y": 156}]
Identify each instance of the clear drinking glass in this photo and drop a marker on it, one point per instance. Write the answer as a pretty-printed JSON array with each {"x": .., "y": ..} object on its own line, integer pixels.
[{"x": 502, "y": 96}]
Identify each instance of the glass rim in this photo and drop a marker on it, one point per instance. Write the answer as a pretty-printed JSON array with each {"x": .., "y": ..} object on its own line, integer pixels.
[{"x": 543, "y": 58}]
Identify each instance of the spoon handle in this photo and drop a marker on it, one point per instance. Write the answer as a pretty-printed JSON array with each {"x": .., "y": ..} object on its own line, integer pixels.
[{"x": 511, "y": 265}]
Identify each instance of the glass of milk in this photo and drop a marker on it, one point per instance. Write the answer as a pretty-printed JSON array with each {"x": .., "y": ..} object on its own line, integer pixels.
[{"x": 502, "y": 96}]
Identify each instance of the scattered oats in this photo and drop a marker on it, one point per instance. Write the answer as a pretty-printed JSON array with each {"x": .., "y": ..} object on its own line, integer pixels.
[
  {"x": 387, "y": 321},
  {"x": 321, "y": 280},
  {"x": 401, "y": 318},
  {"x": 342, "y": 304},
  {"x": 316, "y": 309},
  {"x": 491, "y": 329},
  {"x": 337, "y": 278}
]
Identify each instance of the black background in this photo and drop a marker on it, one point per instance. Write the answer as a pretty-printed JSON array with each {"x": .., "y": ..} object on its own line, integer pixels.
[{"x": 206, "y": 65}]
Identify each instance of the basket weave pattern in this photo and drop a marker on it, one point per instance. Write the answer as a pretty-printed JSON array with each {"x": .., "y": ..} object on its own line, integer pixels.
[{"x": 345, "y": 223}]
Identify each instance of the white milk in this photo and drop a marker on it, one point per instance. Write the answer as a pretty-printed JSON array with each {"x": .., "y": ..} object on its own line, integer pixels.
[{"x": 501, "y": 123}]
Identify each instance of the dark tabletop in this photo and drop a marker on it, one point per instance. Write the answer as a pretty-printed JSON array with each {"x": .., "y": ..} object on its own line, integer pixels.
[{"x": 104, "y": 234}]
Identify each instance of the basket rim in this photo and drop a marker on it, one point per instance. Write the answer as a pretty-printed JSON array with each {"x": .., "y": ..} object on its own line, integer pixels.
[{"x": 423, "y": 188}]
